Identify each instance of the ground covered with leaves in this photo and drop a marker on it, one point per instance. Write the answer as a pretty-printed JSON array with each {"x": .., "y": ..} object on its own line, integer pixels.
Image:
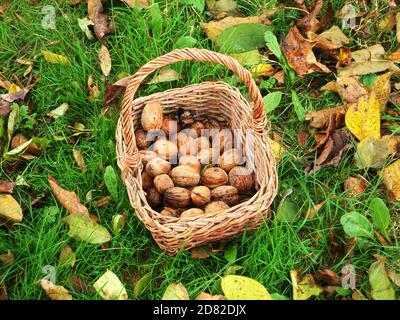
[{"x": 328, "y": 71}]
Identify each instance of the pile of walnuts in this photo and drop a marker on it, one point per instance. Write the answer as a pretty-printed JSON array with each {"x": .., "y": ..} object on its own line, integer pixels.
[{"x": 190, "y": 165}]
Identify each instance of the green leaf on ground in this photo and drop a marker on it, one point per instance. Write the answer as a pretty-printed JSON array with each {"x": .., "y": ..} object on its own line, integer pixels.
[{"x": 356, "y": 225}]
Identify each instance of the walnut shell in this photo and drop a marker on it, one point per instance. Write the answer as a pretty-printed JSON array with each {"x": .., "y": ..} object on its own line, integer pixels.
[
  {"x": 227, "y": 194},
  {"x": 215, "y": 207},
  {"x": 152, "y": 116},
  {"x": 229, "y": 159},
  {"x": 147, "y": 180},
  {"x": 222, "y": 140},
  {"x": 193, "y": 212},
  {"x": 208, "y": 156},
  {"x": 177, "y": 197},
  {"x": 202, "y": 143},
  {"x": 165, "y": 149},
  {"x": 163, "y": 182},
  {"x": 153, "y": 197},
  {"x": 147, "y": 155},
  {"x": 241, "y": 178},
  {"x": 198, "y": 126},
  {"x": 212, "y": 124},
  {"x": 200, "y": 196},
  {"x": 214, "y": 177},
  {"x": 141, "y": 139},
  {"x": 186, "y": 144},
  {"x": 190, "y": 161},
  {"x": 170, "y": 126},
  {"x": 185, "y": 176},
  {"x": 157, "y": 166},
  {"x": 171, "y": 212}
]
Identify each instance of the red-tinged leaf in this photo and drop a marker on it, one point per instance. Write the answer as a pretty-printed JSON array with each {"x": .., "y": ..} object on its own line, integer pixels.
[
  {"x": 68, "y": 199},
  {"x": 9, "y": 98},
  {"x": 102, "y": 24},
  {"x": 310, "y": 21},
  {"x": 6, "y": 187}
]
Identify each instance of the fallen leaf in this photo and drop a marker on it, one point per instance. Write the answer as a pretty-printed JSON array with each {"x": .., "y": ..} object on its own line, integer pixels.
[
  {"x": 280, "y": 77},
  {"x": 207, "y": 296},
  {"x": 310, "y": 21},
  {"x": 354, "y": 186},
  {"x": 55, "y": 58},
  {"x": 79, "y": 285},
  {"x": 366, "y": 67},
  {"x": 371, "y": 153},
  {"x": 387, "y": 23},
  {"x": 363, "y": 118},
  {"x": 222, "y": 8},
  {"x": 380, "y": 215},
  {"x": 7, "y": 258},
  {"x": 59, "y": 111},
  {"x": 328, "y": 276},
  {"x": 303, "y": 288},
  {"x": 381, "y": 288},
  {"x": 185, "y": 42},
  {"x": 175, "y": 291},
  {"x": 4, "y": 6},
  {"x": 262, "y": 70},
  {"x": 349, "y": 88},
  {"x": 213, "y": 29},
  {"x": 335, "y": 35},
  {"x": 54, "y": 292},
  {"x": 243, "y": 288},
  {"x": 391, "y": 179},
  {"x": 118, "y": 223},
  {"x": 141, "y": 285},
  {"x": 320, "y": 118},
  {"x": 109, "y": 287},
  {"x": 356, "y": 225},
  {"x": 3, "y": 288},
  {"x": 398, "y": 27},
  {"x": 165, "y": 75},
  {"x": 80, "y": 161},
  {"x": 67, "y": 256},
  {"x": 102, "y": 24},
  {"x": 242, "y": 38},
  {"x": 312, "y": 213},
  {"x": 200, "y": 253},
  {"x": 137, "y": 4},
  {"x": 395, "y": 56},
  {"x": 68, "y": 199},
  {"x": 277, "y": 149},
  {"x": 6, "y": 187},
  {"x": 272, "y": 100},
  {"x": 103, "y": 201},
  {"x": 381, "y": 88},
  {"x": 10, "y": 210},
  {"x": 84, "y": 24},
  {"x": 112, "y": 93},
  {"x": 299, "y": 54},
  {"x": 6, "y": 100},
  {"x": 94, "y": 90},
  {"x": 302, "y": 137},
  {"x": 395, "y": 277},
  {"x": 375, "y": 52},
  {"x": 105, "y": 60},
  {"x": 81, "y": 227},
  {"x": 111, "y": 181},
  {"x": 393, "y": 143},
  {"x": 248, "y": 58}
]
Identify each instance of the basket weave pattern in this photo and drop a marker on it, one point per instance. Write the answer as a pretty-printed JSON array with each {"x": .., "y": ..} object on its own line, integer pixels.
[{"x": 213, "y": 100}]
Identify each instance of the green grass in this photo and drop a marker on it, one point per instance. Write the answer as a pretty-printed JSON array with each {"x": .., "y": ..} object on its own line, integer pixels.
[{"x": 267, "y": 255}]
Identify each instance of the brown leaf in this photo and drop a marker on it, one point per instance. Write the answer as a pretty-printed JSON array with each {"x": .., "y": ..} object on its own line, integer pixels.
[
  {"x": 103, "y": 201},
  {"x": 55, "y": 292},
  {"x": 387, "y": 22},
  {"x": 80, "y": 161},
  {"x": 7, "y": 258},
  {"x": 310, "y": 21},
  {"x": 3, "y": 289},
  {"x": 102, "y": 24},
  {"x": 68, "y": 199},
  {"x": 375, "y": 52},
  {"x": 302, "y": 137},
  {"x": 6, "y": 187},
  {"x": 367, "y": 67},
  {"x": 112, "y": 93},
  {"x": 349, "y": 88},
  {"x": 380, "y": 238},
  {"x": 328, "y": 276},
  {"x": 280, "y": 77},
  {"x": 200, "y": 253},
  {"x": 353, "y": 186},
  {"x": 394, "y": 276},
  {"x": 94, "y": 90},
  {"x": 79, "y": 285},
  {"x": 313, "y": 211},
  {"x": 395, "y": 56},
  {"x": 105, "y": 60},
  {"x": 9, "y": 98},
  {"x": 320, "y": 119},
  {"x": 4, "y": 6},
  {"x": 298, "y": 52}
]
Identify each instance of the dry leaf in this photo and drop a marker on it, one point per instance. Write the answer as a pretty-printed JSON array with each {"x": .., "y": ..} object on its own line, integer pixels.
[
  {"x": 367, "y": 67},
  {"x": 392, "y": 142},
  {"x": 312, "y": 213},
  {"x": 79, "y": 285},
  {"x": 67, "y": 256},
  {"x": 391, "y": 179},
  {"x": 9, "y": 98},
  {"x": 109, "y": 287},
  {"x": 7, "y": 258},
  {"x": 375, "y": 52},
  {"x": 3, "y": 289},
  {"x": 165, "y": 75},
  {"x": 280, "y": 77},
  {"x": 277, "y": 149},
  {"x": 387, "y": 22},
  {"x": 175, "y": 291},
  {"x": 207, "y": 296},
  {"x": 80, "y": 161},
  {"x": 102, "y": 24},
  {"x": 262, "y": 69},
  {"x": 304, "y": 288},
  {"x": 94, "y": 90},
  {"x": 310, "y": 21},
  {"x": 200, "y": 253},
  {"x": 298, "y": 52},
  {"x": 6, "y": 187},
  {"x": 105, "y": 60},
  {"x": 302, "y": 137},
  {"x": 335, "y": 35},
  {"x": 363, "y": 118},
  {"x": 59, "y": 111},
  {"x": 68, "y": 199},
  {"x": 55, "y": 58},
  {"x": 395, "y": 277},
  {"x": 10, "y": 210},
  {"x": 4, "y": 6},
  {"x": 395, "y": 56},
  {"x": 84, "y": 26},
  {"x": 54, "y": 292},
  {"x": 353, "y": 186},
  {"x": 213, "y": 29},
  {"x": 349, "y": 88},
  {"x": 103, "y": 201},
  {"x": 328, "y": 276},
  {"x": 320, "y": 119},
  {"x": 381, "y": 88}
]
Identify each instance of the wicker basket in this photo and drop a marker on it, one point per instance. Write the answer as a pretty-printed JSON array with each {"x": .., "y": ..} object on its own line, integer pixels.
[{"x": 214, "y": 99}]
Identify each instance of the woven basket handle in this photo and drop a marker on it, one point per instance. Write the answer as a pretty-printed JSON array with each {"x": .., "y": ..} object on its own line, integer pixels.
[{"x": 200, "y": 55}]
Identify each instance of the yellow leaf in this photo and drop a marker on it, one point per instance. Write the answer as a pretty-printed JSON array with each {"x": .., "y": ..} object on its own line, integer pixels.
[
  {"x": 277, "y": 149},
  {"x": 80, "y": 161},
  {"x": 165, "y": 75},
  {"x": 363, "y": 118},
  {"x": 304, "y": 288},
  {"x": 14, "y": 88},
  {"x": 214, "y": 29},
  {"x": 262, "y": 69},
  {"x": 175, "y": 291},
  {"x": 55, "y": 292},
  {"x": 59, "y": 111},
  {"x": 105, "y": 60},
  {"x": 243, "y": 288},
  {"x": 381, "y": 87},
  {"x": 109, "y": 287},
  {"x": 248, "y": 58},
  {"x": 391, "y": 178},
  {"x": 10, "y": 209},
  {"x": 55, "y": 58},
  {"x": 67, "y": 256}
]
